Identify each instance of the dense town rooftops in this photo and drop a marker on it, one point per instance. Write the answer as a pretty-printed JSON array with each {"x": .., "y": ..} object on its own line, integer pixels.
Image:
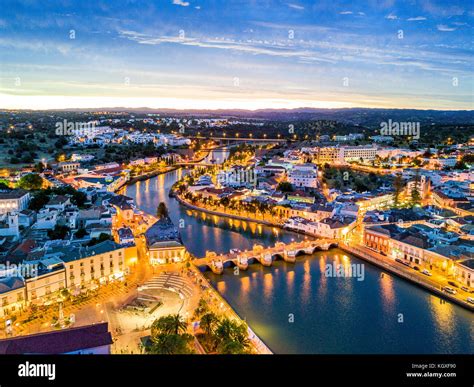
[{"x": 69, "y": 253}]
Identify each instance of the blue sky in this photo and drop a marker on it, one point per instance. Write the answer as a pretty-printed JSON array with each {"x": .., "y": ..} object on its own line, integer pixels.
[{"x": 236, "y": 54}]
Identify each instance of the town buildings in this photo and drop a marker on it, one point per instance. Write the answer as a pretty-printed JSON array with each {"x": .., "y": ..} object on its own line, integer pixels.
[
  {"x": 13, "y": 200},
  {"x": 164, "y": 243}
]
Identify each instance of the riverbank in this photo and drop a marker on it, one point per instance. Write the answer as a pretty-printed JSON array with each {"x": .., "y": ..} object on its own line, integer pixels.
[
  {"x": 258, "y": 344},
  {"x": 224, "y": 214},
  {"x": 149, "y": 175},
  {"x": 423, "y": 283}
]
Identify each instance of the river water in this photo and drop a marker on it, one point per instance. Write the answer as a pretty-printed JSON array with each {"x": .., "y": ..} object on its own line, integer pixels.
[{"x": 295, "y": 308}]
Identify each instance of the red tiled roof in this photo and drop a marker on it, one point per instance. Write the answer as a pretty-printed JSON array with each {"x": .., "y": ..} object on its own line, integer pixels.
[{"x": 26, "y": 246}]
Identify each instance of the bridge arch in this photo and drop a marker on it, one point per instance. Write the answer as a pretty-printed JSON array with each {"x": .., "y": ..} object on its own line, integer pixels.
[
  {"x": 277, "y": 257},
  {"x": 252, "y": 260}
]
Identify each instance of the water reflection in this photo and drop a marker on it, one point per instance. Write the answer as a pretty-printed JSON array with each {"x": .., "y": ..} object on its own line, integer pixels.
[
  {"x": 344, "y": 315},
  {"x": 341, "y": 316}
]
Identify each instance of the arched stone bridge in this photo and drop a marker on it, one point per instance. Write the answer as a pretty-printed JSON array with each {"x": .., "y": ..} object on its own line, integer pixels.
[{"x": 265, "y": 256}]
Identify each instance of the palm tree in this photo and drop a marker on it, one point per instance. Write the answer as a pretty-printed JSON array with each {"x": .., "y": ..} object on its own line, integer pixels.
[
  {"x": 398, "y": 187},
  {"x": 172, "y": 344},
  {"x": 171, "y": 324},
  {"x": 232, "y": 336},
  {"x": 232, "y": 348},
  {"x": 209, "y": 323}
]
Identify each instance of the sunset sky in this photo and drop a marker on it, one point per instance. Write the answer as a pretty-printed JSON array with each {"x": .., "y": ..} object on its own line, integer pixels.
[{"x": 236, "y": 54}]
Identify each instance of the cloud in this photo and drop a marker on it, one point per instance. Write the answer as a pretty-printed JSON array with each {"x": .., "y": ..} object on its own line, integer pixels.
[
  {"x": 418, "y": 18},
  {"x": 311, "y": 51},
  {"x": 345, "y": 13},
  {"x": 181, "y": 3},
  {"x": 391, "y": 17},
  {"x": 295, "y": 6},
  {"x": 445, "y": 28}
]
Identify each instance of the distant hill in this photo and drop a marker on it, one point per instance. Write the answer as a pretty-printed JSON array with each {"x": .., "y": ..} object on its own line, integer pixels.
[
  {"x": 356, "y": 116},
  {"x": 365, "y": 117}
]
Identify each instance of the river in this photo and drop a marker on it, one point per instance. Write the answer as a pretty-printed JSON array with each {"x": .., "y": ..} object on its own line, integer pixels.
[{"x": 295, "y": 308}]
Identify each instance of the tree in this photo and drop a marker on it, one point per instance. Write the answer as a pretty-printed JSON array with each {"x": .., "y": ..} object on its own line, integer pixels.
[
  {"x": 39, "y": 167},
  {"x": 39, "y": 200},
  {"x": 209, "y": 323},
  {"x": 398, "y": 187},
  {"x": 284, "y": 186},
  {"x": 171, "y": 324},
  {"x": 165, "y": 344},
  {"x": 79, "y": 198},
  {"x": 31, "y": 181},
  {"x": 59, "y": 232},
  {"x": 81, "y": 233},
  {"x": 201, "y": 309},
  {"x": 224, "y": 202},
  {"x": 169, "y": 338},
  {"x": 415, "y": 192},
  {"x": 232, "y": 336},
  {"x": 102, "y": 237},
  {"x": 162, "y": 211}
]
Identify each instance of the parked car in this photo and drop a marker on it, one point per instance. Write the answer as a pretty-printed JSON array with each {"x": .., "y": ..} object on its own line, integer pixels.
[
  {"x": 402, "y": 262},
  {"x": 449, "y": 290},
  {"x": 426, "y": 272},
  {"x": 470, "y": 300},
  {"x": 466, "y": 289}
]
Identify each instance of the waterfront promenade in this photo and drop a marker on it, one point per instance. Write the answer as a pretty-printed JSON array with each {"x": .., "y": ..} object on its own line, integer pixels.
[
  {"x": 220, "y": 305},
  {"x": 428, "y": 283}
]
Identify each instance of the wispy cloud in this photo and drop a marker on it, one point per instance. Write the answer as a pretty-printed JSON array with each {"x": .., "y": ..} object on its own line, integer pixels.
[
  {"x": 316, "y": 51},
  {"x": 445, "y": 28},
  {"x": 295, "y": 6},
  {"x": 181, "y": 3},
  {"x": 391, "y": 17},
  {"x": 345, "y": 13},
  {"x": 417, "y": 18}
]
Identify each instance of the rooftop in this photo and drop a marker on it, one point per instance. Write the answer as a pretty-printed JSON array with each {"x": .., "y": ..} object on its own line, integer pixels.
[
  {"x": 161, "y": 231},
  {"x": 7, "y": 284},
  {"x": 58, "y": 342},
  {"x": 12, "y": 194}
]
